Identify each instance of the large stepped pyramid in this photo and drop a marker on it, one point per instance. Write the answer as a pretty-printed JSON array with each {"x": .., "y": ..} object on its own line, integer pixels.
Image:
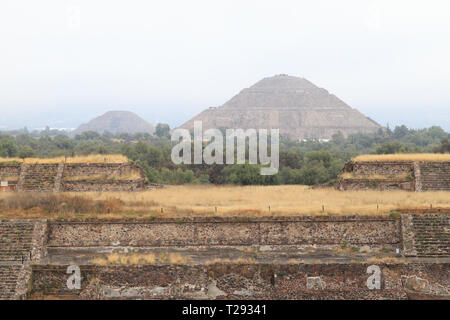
[
  {"x": 294, "y": 105},
  {"x": 431, "y": 235}
]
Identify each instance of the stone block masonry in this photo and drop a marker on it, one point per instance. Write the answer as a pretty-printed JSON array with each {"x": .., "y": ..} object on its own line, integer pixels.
[
  {"x": 10, "y": 172},
  {"x": 9, "y": 176},
  {"x": 412, "y": 275},
  {"x": 38, "y": 177},
  {"x": 21, "y": 242},
  {"x": 402, "y": 175},
  {"x": 113, "y": 169},
  {"x": 9, "y": 275},
  {"x": 435, "y": 176},
  {"x": 227, "y": 231},
  {"x": 103, "y": 185},
  {"x": 426, "y": 235},
  {"x": 16, "y": 239},
  {"x": 243, "y": 281}
]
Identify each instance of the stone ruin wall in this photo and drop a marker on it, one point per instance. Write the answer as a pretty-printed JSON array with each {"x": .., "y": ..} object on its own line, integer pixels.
[
  {"x": 9, "y": 173},
  {"x": 103, "y": 186},
  {"x": 418, "y": 176},
  {"x": 87, "y": 169},
  {"x": 9, "y": 170},
  {"x": 241, "y": 280},
  {"x": 244, "y": 281},
  {"x": 382, "y": 168},
  {"x": 226, "y": 231},
  {"x": 63, "y": 177},
  {"x": 376, "y": 184}
]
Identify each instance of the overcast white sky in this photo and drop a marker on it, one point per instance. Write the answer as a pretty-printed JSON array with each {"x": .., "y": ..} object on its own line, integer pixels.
[{"x": 64, "y": 62}]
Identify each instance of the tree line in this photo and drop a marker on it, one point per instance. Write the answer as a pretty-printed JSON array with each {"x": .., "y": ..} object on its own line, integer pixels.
[{"x": 301, "y": 162}]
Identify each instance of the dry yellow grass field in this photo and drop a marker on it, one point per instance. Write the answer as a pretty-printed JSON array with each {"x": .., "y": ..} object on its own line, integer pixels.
[
  {"x": 95, "y": 158},
  {"x": 222, "y": 201},
  {"x": 283, "y": 200},
  {"x": 439, "y": 157}
]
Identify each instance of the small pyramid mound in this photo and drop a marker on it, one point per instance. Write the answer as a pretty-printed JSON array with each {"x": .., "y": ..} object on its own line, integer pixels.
[
  {"x": 294, "y": 105},
  {"x": 117, "y": 122}
]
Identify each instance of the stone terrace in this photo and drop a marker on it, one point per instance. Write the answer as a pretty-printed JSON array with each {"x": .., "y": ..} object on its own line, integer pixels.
[
  {"x": 229, "y": 258},
  {"x": 74, "y": 177},
  {"x": 400, "y": 175}
]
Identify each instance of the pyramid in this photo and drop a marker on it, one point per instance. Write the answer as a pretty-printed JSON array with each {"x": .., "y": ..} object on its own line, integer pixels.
[
  {"x": 294, "y": 105},
  {"x": 117, "y": 122}
]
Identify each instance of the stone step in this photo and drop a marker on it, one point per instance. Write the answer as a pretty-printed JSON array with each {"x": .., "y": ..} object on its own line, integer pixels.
[
  {"x": 431, "y": 238},
  {"x": 16, "y": 240},
  {"x": 8, "y": 280}
]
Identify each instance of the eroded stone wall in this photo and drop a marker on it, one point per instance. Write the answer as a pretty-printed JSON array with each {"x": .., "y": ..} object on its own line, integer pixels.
[
  {"x": 87, "y": 169},
  {"x": 102, "y": 186},
  {"x": 79, "y": 177},
  {"x": 381, "y": 168},
  {"x": 410, "y": 176},
  {"x": 170, "y": 232},
  {"x": 377, "y": 184},
  {"x": 9, "y": 170},
  {"x": 9, "y": 175},
  {"x": 400, "y": 279},
  {"x": 245, "y": 281}
]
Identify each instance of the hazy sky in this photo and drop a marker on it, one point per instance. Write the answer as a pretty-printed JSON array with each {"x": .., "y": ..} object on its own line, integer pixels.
[{"x": 65, "y": 62}]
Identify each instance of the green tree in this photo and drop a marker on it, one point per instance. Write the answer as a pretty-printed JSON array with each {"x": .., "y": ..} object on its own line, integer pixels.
[
  {"x": 26, "y": 152},
  {"x": 8, "y": 147},
  {"x": 162, "y": 130},
  {"x": 444, "y": 147}
]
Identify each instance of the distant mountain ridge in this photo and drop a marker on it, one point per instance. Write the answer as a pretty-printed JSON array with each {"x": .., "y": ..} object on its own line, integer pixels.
[
  {"x": 117, "y": 122},
  {"x": 294, "y": 105}
]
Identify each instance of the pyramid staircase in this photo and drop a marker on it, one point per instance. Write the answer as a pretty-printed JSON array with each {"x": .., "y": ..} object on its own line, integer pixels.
[
  {"x": 15, "y": 240},
  {"x": 9, "y": 275},
  {"x": 435, "y": 176},
  {"x": 15, "y": 247},
  {"x": 431, "y": 235},
  {"x": 38, "y": 177}
]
